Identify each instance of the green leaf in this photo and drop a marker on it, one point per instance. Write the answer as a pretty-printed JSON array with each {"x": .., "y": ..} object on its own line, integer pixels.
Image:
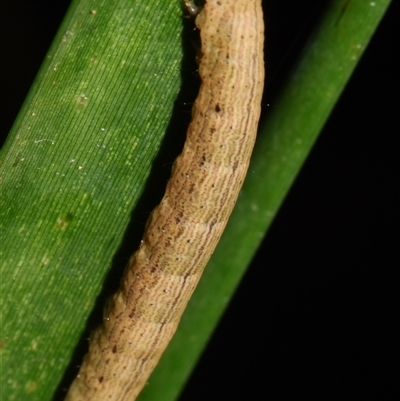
[
  {"x": 72, "y": 170},
  {"x": 285, "y": 140},
  {"x": 80, "y": 153}
]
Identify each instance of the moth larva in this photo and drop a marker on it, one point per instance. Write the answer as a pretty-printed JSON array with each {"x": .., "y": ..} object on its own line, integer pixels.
[{"x": 183, "y": 230}]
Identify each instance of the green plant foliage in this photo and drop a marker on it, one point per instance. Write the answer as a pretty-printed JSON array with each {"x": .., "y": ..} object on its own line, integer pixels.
[
  {"x": 284, "y": 142},
  {"x": 77, "y": 159},
  {"x": 72, "y": 169}
]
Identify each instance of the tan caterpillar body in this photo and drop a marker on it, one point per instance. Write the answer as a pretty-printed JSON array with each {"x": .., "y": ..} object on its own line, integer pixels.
[{"x": 182, "y": 232}]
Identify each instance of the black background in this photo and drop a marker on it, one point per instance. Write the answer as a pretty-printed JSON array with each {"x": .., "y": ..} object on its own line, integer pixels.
[{"x": 317, "y": 313}]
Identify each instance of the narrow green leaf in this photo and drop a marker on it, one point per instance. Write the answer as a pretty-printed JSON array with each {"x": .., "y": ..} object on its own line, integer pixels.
[{"x": 284, "y": 143}]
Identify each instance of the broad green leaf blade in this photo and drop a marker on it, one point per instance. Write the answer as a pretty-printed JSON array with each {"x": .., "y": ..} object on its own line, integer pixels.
[
  {"x": 72, "y": 169},
  {"x": 285, "y": 141}
]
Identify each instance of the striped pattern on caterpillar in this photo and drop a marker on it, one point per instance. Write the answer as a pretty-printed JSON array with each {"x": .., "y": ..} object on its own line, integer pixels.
[{"x": 182, "y": 232}]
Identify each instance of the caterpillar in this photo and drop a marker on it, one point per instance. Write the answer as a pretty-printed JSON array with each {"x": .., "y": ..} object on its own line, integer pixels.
[{"x": 183, "y": 230}]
